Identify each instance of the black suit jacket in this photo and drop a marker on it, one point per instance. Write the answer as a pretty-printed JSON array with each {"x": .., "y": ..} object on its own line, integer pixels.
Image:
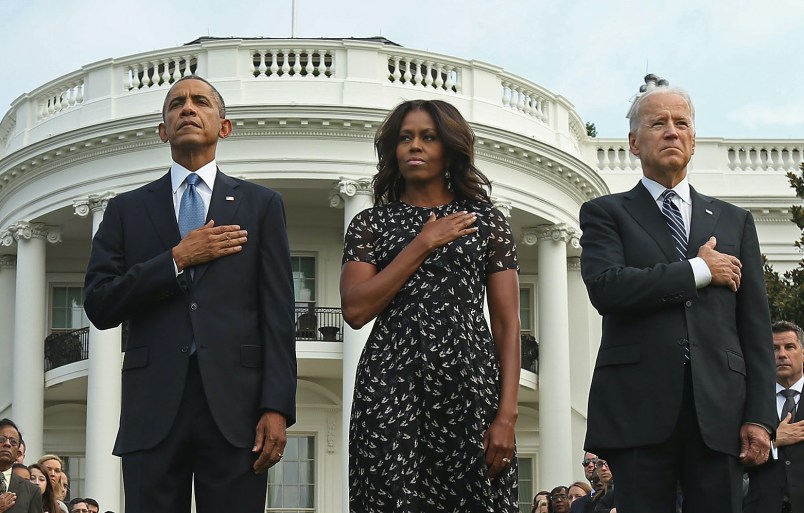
[
  {"x": 768, "y": 483},
  {"x": 29, "y": 497},
  {"x": 651, "y": 308},
  {"x": 238, "y": 309}
]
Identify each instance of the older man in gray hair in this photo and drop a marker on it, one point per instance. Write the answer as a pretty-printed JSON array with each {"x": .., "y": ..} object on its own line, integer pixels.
[{"x": 683, "y": 384}]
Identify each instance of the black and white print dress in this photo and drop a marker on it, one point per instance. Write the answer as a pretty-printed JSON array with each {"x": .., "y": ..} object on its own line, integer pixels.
[{"x": 428, "y": 382}]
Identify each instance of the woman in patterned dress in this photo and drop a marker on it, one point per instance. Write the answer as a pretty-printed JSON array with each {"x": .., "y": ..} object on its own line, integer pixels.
[{"x": 435, "y": 402}]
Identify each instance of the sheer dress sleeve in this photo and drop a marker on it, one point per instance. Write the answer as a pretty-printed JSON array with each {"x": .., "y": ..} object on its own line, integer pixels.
[
  {"x": 502, "y": 248},
  {"x": 358, "y": 244}
]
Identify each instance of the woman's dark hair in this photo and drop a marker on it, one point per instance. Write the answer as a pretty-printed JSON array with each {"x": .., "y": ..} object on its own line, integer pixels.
[
  {"x": 459, "y": 153},
  {"x": 49, "y": 502}
]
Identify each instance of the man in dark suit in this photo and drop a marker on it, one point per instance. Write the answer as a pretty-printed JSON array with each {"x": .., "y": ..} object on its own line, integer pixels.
[
  {"x": 778, "y": 485},
  {"x": 682, "y": 384},
  {"x": 16, "y": 494},
  {"x": 209, "y": 376}
]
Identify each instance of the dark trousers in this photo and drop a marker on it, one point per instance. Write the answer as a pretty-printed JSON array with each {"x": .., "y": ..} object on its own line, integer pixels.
[
  {"x": 160, "y": 480},
  {"x": 646, "y": 478}
]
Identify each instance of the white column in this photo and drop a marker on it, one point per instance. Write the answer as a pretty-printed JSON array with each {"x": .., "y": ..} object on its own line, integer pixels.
[
  {"x": 353, "y": 196},
  {"x": 555, "y": 414},
  {"x": 30, "y": 326},
  {"x": 8, "y": 281},
  {"x": 103, "y": 475},
  {"x": 581, "y": 350}
]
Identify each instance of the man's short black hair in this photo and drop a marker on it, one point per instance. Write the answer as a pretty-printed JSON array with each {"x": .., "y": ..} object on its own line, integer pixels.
[
  {"x": 75, "y": 501},
  {"x": 215, "y": 93},
  {"x": 8, "y": 422},
  {"x": 91, "y": 502}
]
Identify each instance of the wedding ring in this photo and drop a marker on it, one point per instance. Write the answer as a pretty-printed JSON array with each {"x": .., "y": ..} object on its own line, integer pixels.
[
  {"x": 280, "y": 455},
  {"x": 506, "y": 461}
]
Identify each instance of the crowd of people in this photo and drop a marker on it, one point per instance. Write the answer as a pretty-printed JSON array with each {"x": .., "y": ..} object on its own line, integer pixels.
[
  {"x": 41, "y": 487},
  {"x": 594, "y": 496}
]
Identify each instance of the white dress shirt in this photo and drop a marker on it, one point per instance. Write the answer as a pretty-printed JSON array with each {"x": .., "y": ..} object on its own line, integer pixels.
[{"x": 683, "y": 200}]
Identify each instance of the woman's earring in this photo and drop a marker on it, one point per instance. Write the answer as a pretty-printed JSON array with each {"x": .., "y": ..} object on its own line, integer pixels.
[{"x": 448, "y": 178}]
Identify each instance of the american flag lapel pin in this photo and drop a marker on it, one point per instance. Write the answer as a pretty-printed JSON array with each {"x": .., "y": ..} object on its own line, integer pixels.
[
  {"x": 708, "y": 211},
  {"x": 231, "y": 198}
]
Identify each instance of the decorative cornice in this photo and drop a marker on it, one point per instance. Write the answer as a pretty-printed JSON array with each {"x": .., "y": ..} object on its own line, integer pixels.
[
  {"x": 504, "y": 206},
  {"x": 555, "y": 232},
  {"x": 8, "y": 261},
  {"x": 348, "y": 188},
  {"x": 27, "y": 231},
  {"x": 93, "y": 203}
]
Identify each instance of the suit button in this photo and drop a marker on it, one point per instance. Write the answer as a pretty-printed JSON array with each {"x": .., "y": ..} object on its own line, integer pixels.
[
  {"x": 682, "y": 341},
  {"x": 787, "y": 462},
  {"x": 688, "y": 303},
  {"x": 184, "y": 349},
  {"x": 193, "y": 306}
]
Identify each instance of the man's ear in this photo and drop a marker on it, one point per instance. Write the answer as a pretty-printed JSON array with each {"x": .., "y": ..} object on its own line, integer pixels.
[
  {"x": 632, "y": 144},
  {"x": 163, "y": 133},
  {"x": 226, "y": 129}
]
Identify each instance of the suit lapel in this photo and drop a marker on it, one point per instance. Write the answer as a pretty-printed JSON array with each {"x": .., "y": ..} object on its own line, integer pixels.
[
  {"x": 642, "y": 207},
  {"x": 159, "y": 208},
  {"x": 226, "y": 199},
  {"x": 702, "y": 222}
]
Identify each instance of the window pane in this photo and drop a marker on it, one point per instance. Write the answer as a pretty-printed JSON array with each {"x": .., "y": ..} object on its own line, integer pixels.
[
  {"x": 291, "y": 452},
  {"x": 274, "y": 496},
  {"x": 290, "y": 496},
  {"x": 59, "y": 297},
  {"x": 524, "y": 309},
  {"x": 306, "y": 496},
  {"x": 306, "y": 472},
  {"x": 59, "y": 320},
  {"x": 306, "y": 448},
  {"x": 291, "y": 472}
]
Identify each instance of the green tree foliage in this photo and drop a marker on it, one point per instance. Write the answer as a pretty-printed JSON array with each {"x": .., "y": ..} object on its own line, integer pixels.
[
  {"x": 591, "y": 130},
  {"x": 786, "y": 291}
]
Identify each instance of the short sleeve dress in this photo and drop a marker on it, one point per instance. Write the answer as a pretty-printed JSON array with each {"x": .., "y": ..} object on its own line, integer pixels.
[{"x": 428, "y": 381}]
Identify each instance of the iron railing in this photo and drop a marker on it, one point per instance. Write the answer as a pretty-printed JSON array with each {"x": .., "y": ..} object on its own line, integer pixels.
[
  {"x": 322, "y": 323},
  {"x": 65, "y": 347},
  {"x": 530, "y": 353}
]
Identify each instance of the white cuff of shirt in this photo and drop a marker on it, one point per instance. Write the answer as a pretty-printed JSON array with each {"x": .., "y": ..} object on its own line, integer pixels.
[{"x": 700, "y": 271}]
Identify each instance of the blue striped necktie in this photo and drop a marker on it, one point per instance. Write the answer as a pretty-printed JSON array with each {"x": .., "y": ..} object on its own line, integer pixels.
[
  {"x": 672, "y": 216},
  {"x": 191, "y": 209}
]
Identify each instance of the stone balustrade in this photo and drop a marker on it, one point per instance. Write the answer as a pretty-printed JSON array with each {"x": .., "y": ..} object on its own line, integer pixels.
[
  {"x": 350, "y": 73},
  {"x": 711, "y": 154}
]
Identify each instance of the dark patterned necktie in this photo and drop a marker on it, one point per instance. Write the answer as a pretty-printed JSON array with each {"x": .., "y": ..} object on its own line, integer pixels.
[
  {"x": 789, "y": 405},
  {"x": 672, "y": 216},
  {"x": 2, "y": 483}
]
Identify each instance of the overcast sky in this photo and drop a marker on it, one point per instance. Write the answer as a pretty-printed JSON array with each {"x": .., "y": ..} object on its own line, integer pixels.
[{"x": 742, "y": 60}]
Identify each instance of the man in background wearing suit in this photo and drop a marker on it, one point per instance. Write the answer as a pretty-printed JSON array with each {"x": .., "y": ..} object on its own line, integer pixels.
[
  {"x": 682, "y": 386},
  {"x": 17, "y": 495},
  {"x": 778, "y": 485},
  {"x": 198, "y": 263}
]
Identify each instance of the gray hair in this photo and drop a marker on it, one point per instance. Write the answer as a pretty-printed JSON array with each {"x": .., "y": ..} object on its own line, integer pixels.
[
  {"x": 786, "y": 326},
  {"x": 633, "y": 114}
]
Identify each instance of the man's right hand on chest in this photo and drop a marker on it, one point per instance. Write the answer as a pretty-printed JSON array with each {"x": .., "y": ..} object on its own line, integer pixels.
[{"x": 208, "y": 243}]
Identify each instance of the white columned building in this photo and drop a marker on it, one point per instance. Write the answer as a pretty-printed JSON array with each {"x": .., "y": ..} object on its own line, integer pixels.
[
  {"x": 30, "y": 321},
  {"x": 555, "y": 417},
  {"x": 353, "y": 196},
  {"x": 104, "y": 385},
  {"x": 8, "y": 285}
]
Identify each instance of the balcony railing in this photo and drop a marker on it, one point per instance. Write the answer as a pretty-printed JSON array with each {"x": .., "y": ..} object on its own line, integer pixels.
[
  {"x": 320, "y": 323},
  {"x": 65, "y": 347},
  {"x": 530, "y": 353}
]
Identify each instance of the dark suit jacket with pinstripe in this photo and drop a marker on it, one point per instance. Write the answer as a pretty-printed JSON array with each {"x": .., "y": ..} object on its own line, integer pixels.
[
  {"x": 239, "y": 309},
  {"x": 651, "y": 308}
]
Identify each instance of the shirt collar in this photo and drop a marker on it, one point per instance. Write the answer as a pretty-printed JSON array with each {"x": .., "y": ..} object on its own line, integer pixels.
[
  {"x": 797, "y": 386},
  {"x": 178, "y": 174},
  {"x": 682, "y": 189}
]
